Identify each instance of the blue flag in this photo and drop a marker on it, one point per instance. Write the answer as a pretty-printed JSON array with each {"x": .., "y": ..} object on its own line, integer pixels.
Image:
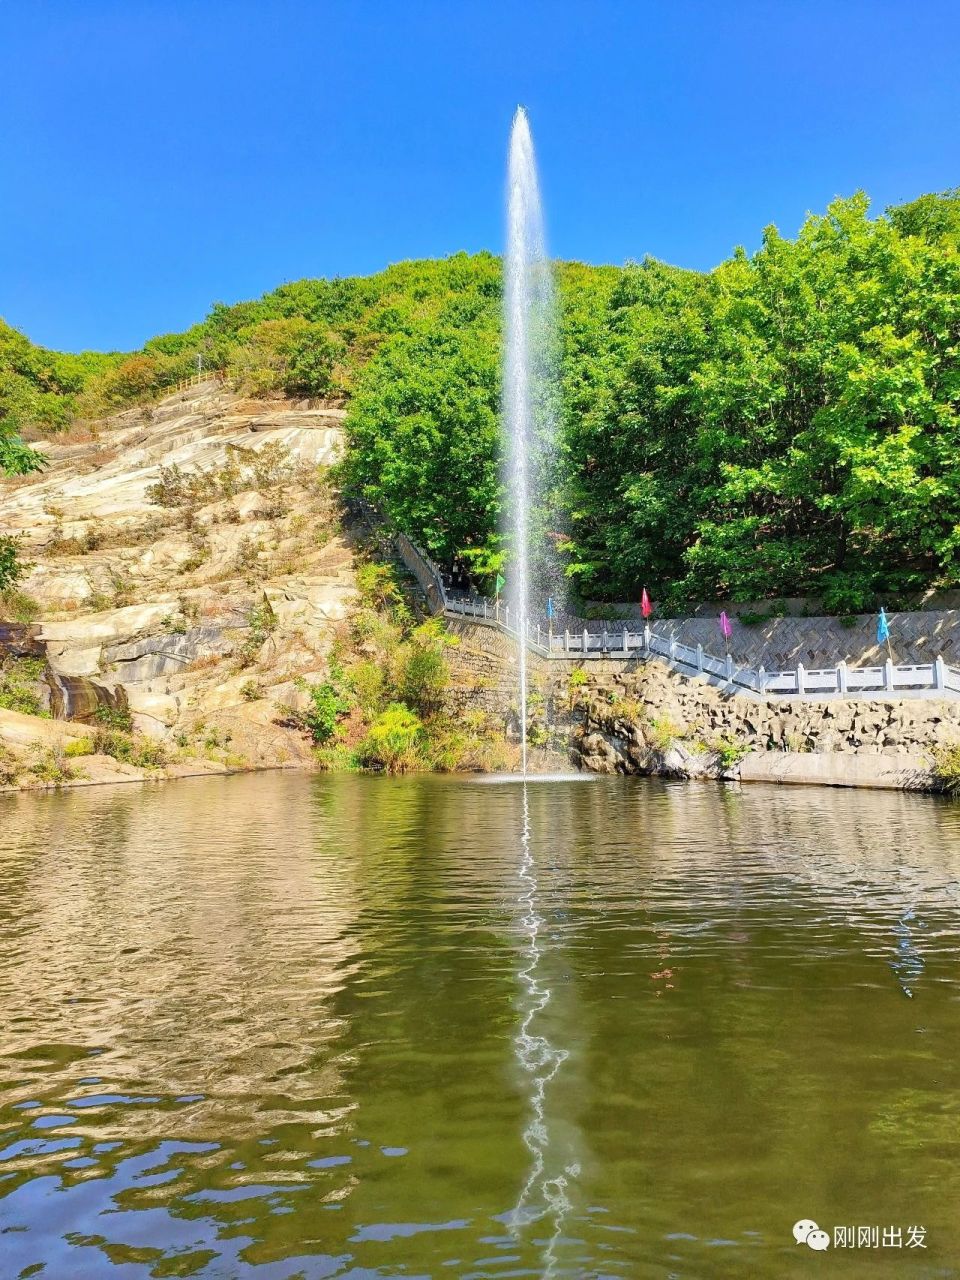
[
  {"x": 550, "y": 608},
  {"x": 883, "y": 630}
]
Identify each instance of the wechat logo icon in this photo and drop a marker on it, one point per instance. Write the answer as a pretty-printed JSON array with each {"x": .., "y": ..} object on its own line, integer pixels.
[{"x": 806, "y": 1231}]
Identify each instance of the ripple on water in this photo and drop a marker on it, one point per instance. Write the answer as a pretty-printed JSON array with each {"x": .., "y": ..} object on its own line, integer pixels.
[{"x": 303, "y": 998}]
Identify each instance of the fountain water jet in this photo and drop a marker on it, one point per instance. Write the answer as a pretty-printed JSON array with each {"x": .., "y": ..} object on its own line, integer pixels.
[{"x": 529, "y": 343}]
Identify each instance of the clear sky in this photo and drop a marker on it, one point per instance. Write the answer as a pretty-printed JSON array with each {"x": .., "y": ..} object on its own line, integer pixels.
[{"x": 158, "y": 155}]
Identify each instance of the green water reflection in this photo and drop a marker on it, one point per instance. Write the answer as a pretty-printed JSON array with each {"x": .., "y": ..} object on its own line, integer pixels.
[{"x": 270, "y": 1026}]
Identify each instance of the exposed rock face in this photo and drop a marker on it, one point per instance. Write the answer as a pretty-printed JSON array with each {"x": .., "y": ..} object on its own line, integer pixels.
[{"x": 188, "y": 564}]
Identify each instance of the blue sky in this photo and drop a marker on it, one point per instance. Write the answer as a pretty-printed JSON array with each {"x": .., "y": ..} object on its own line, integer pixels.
[{"x": 159, "y": 155}]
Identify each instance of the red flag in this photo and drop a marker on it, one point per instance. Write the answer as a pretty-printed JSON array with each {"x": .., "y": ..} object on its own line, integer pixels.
[
  {"x": 646, "y": 608},
  {"x": 726, "y": 626}
]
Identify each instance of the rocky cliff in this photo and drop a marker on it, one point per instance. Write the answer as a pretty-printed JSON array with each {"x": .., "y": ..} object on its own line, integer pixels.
[{"x": 188, "y": 565}]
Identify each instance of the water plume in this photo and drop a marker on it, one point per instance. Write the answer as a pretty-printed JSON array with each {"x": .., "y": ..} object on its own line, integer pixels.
[{"x": 528, "y": 417}]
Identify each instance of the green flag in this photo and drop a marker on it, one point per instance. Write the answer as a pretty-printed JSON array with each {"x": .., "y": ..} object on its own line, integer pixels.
[{"x": 500, "y": 584}]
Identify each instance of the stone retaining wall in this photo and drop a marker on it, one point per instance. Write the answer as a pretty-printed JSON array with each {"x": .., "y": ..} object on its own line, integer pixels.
[
  {"x": 655, "y": 720},
  {"x": 643, "y": 717}
]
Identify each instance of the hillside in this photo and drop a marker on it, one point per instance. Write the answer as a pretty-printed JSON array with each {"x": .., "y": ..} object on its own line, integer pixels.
[
  {"x": 185, "y": 567},
  {"x": 785, "y": 425}
]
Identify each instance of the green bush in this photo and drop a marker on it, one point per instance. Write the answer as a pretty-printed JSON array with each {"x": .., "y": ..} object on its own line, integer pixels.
[
  {"x": 423, "y": 671},
  {"x": 377, "y": 586},
  {"x": 114, "y": 717},
  {"x": 664, "y": 732},
  {"x": 11, "y": 569},
  {"x": 393, "y": 740},
  {"x": 729, "y": 752},
  {"x": 326, "y": 706},
  {"x": 18, "y": 680},
  {"x": 368, "y": 681},
  {"x": 946, "y": 769}
]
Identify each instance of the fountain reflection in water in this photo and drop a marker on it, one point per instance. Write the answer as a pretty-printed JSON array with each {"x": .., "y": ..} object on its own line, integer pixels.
[{"x": 544, "y": 1193}]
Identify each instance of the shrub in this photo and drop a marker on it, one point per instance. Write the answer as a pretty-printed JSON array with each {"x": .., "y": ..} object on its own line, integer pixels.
[
  {"x": 9, "y": 767},
  {"x": 946, "y": 769},
  {"x": 11, "y": 568},
  {"x": 18, "y": 679},
  {"x": 148, "y": 753},
  {"x": 114, "y": 718},
  {"x": 246, "y": 559},
  {"x": 327, "y": 705},
  {"x": 50, "y": 766},
  {"x": 131, "y": 748},
  {"x": 424, "y": 674},
  {"x": 261, "y": 620},
  {"x": 367, "y": 681},
  {"x": 729, "y": 752},
  {"x": 664, "y": 732},
  {"x": 376, "y": 585},
  {"x": 575, "y": 683},
  {"x": 79, "y": 747},
  {"x": 393, "y": 740}
]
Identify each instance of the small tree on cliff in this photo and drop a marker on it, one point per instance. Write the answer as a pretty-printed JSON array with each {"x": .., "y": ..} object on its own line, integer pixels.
[{"x": 16, "y": 458}]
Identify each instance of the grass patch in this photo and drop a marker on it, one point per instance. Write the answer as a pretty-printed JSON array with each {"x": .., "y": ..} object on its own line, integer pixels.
[
  {"x": 130, "y": 748},
  {"x": 17, "y": 606}
]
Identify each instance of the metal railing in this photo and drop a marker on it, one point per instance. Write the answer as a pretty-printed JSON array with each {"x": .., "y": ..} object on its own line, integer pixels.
[{"x": 618, "y": 641}]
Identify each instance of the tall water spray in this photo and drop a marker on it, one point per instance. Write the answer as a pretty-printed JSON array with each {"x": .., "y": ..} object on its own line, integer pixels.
[{"x": 529, "y": 333}]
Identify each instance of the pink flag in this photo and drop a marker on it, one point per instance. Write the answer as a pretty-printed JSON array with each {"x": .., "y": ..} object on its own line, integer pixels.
[
  {"x": 726, "y": 626},
  {"x": 646, "y": 608}
]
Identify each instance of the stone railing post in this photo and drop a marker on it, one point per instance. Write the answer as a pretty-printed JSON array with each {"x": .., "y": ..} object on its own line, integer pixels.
[
  {"x": 566, "y": 641},
  {"x": 801, "y": 688},
  {"x": 939, "y": 675},
  {"x": 585, "y": 640},
  {"x": 626, "y": 640},
  {"x": 646, "y": 636},
  {"x": 699, "y": 657},
  {"x": 761, "y": 680},
  {"x": 842, "y": 676},
  {"x": 888, "y": 674},
  {"x": 603, "y": 640},
  {"x": 729, "y": 667},
  {"x": 673, "y": 648}
]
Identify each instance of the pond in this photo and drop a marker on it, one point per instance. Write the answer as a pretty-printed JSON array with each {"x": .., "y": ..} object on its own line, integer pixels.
[{"x": 284, "y": 1025}]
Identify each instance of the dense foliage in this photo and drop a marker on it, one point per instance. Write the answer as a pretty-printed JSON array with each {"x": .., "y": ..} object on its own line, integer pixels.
[
  {"x": 785, "y": 424},
  {"x": 383, "y": 706}
]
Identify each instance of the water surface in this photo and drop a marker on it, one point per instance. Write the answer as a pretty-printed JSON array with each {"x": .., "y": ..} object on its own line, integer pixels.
[{"x": 292, "y": 1026}]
